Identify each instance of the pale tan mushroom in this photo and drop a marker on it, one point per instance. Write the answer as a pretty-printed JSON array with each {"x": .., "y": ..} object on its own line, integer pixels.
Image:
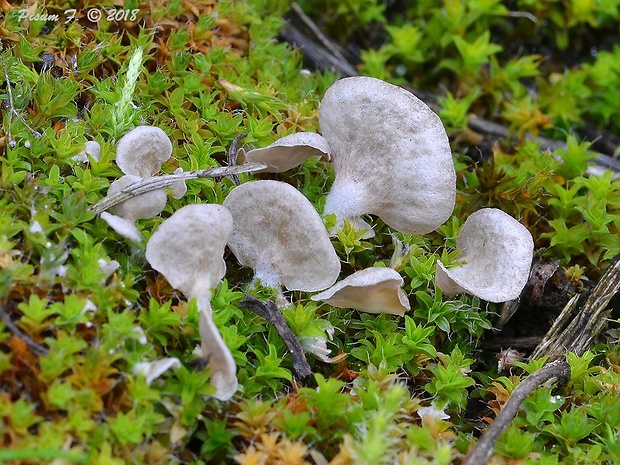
[
  {"x": 188, "y": 249},
  {"x": 142, "y": 151},
  {"x": 288, "y": 152},
  {"x": 496, "y": 251},
  {"x": 139, "y": 155},
  {"x": 280, "y": 235},
  {"x": 124, "y": 215},
  {"x": 373, "y": 290},
  {"x": 153, "y": 370},
  {"x": 391, "y": 157}
]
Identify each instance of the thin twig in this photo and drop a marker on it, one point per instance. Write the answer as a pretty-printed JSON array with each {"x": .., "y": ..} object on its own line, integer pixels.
[
  {"x": 559, "y": 325},
  {"x": 165, "y": 180},
  {"x": 36, "y": 349},
  {"x": 523, "y": 14},
  {"x": 578, "y": 335},
  {"x": 494, "y": 129},
  {"x": 232, "y": 156},
  {"x": 270, "y": 312},
  {"x": 323, "y": 53},
  {"x": 556, "y": 371},
  {"x": 35, "y": 134}
]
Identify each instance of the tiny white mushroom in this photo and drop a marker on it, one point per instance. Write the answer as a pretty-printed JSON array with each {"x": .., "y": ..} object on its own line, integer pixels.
[
  {"x": 373, "y": 290},
  {"x": 221, "y": 362},
  {"x": 142, "y": 151},
  {"x": 122, "y": 226},
  {"x": 145, "y": 205},
  {"x": 188, "y": 249},
  {"x": 153, "y": 370},
  {"x": 178, "y": 189},
  {"x": 124, "y": 215},
  {"x": 391, "y": 157},
  {"x": 288, "y": 152},
  {"x": 497, "y": 252},
  {"x": 92, "y": 149},
  {"x": 280, "y": 235}
]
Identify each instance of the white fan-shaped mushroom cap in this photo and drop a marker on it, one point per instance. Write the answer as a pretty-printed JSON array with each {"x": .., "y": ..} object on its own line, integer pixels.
[
  {"x": 142, "y": 151},
  {"x": 373, "y": 290},
  {"x": 122, "y": 226},
  {"x": 92, "y": 149},
  {"x": 145, "y": 205},
  {"x": 221, "y": 362},
  {"x": 497, "y": 252},
  {"x": 290, "y": 151},
  {"x": 391, "y": 156},
  {"x": 279, "y": 234},
  {"x": 153, "y": 370},
  {"x": 178, "y": 189},
  {"x": 188, "y": 248}
]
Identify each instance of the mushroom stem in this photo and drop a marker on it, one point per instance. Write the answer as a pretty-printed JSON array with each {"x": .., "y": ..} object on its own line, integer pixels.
[
  {"x": 345, "y": 201},
  {"x": 220, "y": 360},
  {"x": 166, "y": 180}
]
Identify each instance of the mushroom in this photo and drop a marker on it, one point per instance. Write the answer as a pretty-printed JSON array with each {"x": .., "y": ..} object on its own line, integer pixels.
[
  {"x": 391, "y": 157},
  {"x": 278, "y": 233},
  {"x": 373, "y": 290},
  {"x": 288, "y": 152},
  {"x": 91, "y": 149},
  {"x": 153, "y": 370},
  {"x": 497, "y": 252},
  {"x": 125, "y": 214},
  {"x": 142, "y": 151},
  {"x": 188, "y": 249},
  {"x": 139, "y": 155}
]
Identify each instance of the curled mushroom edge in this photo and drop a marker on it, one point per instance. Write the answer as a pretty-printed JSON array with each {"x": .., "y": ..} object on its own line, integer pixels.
[{"x": 496, "y": 252}]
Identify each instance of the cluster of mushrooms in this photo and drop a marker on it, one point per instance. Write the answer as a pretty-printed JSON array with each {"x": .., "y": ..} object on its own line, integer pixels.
[{"x": 391, "y": 157}]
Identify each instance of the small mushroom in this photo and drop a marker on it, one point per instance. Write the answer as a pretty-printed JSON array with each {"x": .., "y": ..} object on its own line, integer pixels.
[
  {"x": 497, "y": 252},
  {"x": 373, "y": 290},
  {"x": 124, "y": 215},
  {"x": 153, "y": 370},
  {"x": 288, "y": 152},
  {"x": 145, "y": 205},
  {"x": 142, "y": 151},
  {"x": 188, "y": 249},
  {"x": 91, "y": 149},
  {"x": 139, "y": 155},
  {"x": 122, "y": 226},
  {"x": 178, "y": 189},
  {"x": 391, "y": 157},
  {"x": 278, "y": 233}
]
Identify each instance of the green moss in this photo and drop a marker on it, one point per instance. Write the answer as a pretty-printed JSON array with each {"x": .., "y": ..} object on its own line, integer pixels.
[{"x": 206, "y": 72}]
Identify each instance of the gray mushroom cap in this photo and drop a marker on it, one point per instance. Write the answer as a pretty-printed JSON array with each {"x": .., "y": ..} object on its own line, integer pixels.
[
  {"x": 145, "y": 205},
  {"x": 278, "y": 233},
  {"x": 391, "y": 156},
  {"x": 497, "y": 252},
  {"x": 122, "y": 226},
  {"x": 289, "y": 152},
  {"x": 373, "y": 290},
  {"x": 188, "y": 248},
  {"x": 142, "y": 151}
]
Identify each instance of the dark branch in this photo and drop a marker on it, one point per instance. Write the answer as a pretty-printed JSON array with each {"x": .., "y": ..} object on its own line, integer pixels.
[
  {"x": 36, "y": 349},
  {"x": 557, "y": 371},
  {"x": 272, "y": 314}
]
